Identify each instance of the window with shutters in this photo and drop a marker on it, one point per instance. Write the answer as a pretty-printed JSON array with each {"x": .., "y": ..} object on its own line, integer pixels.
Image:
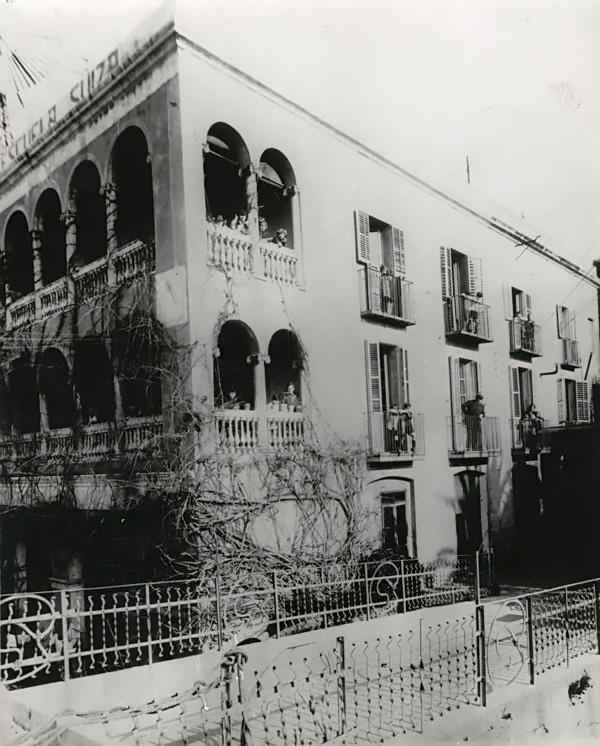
[
  {"x": 567, "y": 333},
  {"x": 465, "y": 314},
  {"x": 395, "y": 523},
  {"x": 573, "y": 401},
  {"x": 385, "y": 293},
  {"x": 525, "y": 419},
  {"x": 525, "y": 334}
]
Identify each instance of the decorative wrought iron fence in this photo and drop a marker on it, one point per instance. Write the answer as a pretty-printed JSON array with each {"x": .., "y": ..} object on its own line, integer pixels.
[{"x": 76, "y": 632}]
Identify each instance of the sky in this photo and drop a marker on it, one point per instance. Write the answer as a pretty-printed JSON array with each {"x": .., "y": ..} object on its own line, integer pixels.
[{"x": 512, "y": 84}]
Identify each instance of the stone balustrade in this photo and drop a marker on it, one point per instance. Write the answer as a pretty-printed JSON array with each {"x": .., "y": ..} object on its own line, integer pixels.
[
  {"x": 91, "y": 280},
  {"x": 229, "y": 249},
  {"x": 285, "y": 430},
  {"x": 279, "y": 263},
  {"x": 55, "y": 296},
  {"x": 21, "y": 311}
]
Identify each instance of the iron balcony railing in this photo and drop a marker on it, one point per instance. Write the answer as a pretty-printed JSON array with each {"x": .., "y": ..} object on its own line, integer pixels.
[
  {"x": 570, "y": 353},
  {"x": 471, "y": 434},
  {"x": 72, "y": 632},
  {"x": 529, "y": 433},
  {"x": 525, "y": 336},
  {"x": 393, "y": 434},
  {"x": 465, "y": 316},
  {"x": 385, "y": 296}
]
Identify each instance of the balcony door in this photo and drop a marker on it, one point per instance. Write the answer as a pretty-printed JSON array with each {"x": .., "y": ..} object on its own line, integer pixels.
[{"x": 387, "y": 388}]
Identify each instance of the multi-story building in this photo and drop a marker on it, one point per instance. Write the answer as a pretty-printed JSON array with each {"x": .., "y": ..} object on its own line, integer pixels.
[{"x": 168, "y": 177}]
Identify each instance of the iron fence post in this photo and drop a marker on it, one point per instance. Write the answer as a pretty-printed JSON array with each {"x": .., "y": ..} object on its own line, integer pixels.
[
  {"x": 481, "y": 657},
  {"x": 341, "y": 682},
  {"x": 276, "y": 604},
  {"x": 367, "y": 591},
  {"x": 148, "y": 624},
  {"x": 477, "y": 587},
  {"x": 567, "y": 631},
  {"x": 219, "y": 619},
  {"x": 597, "y": 608},
  {"x": 530, "y": 639},
  {"x": 65, "y": 633},
  {"x": 403, "y": 580}
]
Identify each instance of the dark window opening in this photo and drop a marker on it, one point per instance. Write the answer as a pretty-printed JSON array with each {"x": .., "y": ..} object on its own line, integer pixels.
[
  {"x": 518, "y": 303},
  {"x": 224, "y": 180},
  {"x": 19, "y": 256},
  {"x": 571, "y": 400},
  {"x": 468, "y": 517},
  {"x": 381, "y": 245},
  {"x": 93, "y": 375},
  {"x": 24, "y": 397},
  {"x": 90, "y": 214},
  {"x": 283, "y": 373},
  {"x": 275, "y": 194},
  {"x": 132, "y": 174},
  {"x": 234, "y": 384},
  {"x": 139, "y": 363},
  {"x": 395, "y": 522},
  {"x": 53, "y": 250},
  {"x": 55, "y": 387},
  {"x": 460, "y": 273}
]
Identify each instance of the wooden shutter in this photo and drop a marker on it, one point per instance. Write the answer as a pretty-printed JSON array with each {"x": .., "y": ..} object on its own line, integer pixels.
[
  {"x": 475, "y": 279},
  {"x": 507, "y": 298},
  {"x": 583, "y": 402},
  {"x": 374, "y": 403},
  {"x": 515, "y": 392},
  {"x": 561, "y": 399},
  {"x": 361, "y": 223},
  {"x": 374, "y": 289},
  {"x": 559, "y": 323},
  {"x": 446, "y": 272},
  {"x": 527, "y": 389},
  {"x": 572, "y": 327},
  {"x": 527, "y": 304},
  {"x": 399, "y": 371},
  {"x": 398, "y": 253},
  {"x": 395, "y": 378},
  {"x": 455, "y": 399}
]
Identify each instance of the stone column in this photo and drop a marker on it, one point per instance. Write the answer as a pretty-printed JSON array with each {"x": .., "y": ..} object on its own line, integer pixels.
[
  {"x": 109, "y": 191},
  {"x": 36, "y": 248},
  {"x": 252, "y": 209},
  {"x": 260, "y": 400},
  {"x": 68, "y": 218}
]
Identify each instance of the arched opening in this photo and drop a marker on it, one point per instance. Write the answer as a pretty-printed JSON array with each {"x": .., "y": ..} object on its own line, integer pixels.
[
  {"x": 52, "y": 238},
  {"x": 470, "y": 491},
  {"x": 225, "y": 160},
  {"x": 139, "y": 362},
  {"x": 283, "y": 372},
  {"x": 93, "y": 378},
  {"x": 55, "y": 386},
  {"x": 24, "y": 396},
  {"x": 233, "y": 369},
  {"x": 90, "y": 214},
  {"x": 276, "y": 188},
  {"x": 19, "y": 256},
  {"x": 132, "y": 176}
]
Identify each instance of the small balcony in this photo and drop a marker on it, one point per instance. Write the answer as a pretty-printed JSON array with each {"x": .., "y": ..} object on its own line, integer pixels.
[
  {"x": 279, "y": 264},
  {"x": 229, "y": 249},
  {"x": 570, "y": 354},
  {"x": 393, "y": 438},
  {"x": 466, "y": 319},
  {"x": 471, "y": 436},
  {"x": 242, "y": 431},
  {"x": 384, "y": 297},
  {"x": 525, "y": 338},
  {"x": 528, "y": 436}
]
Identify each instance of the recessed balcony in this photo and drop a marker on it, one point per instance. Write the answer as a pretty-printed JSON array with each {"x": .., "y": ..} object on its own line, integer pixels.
[
  {"x": 528, "y": 436},
  {"x": 392, "y": 437},
  {"x": 466, "y": 320},
  {"x": 385, "y": 298},
  {"x": 471, "y": 436},
  {"x": 525, "y": 338}
]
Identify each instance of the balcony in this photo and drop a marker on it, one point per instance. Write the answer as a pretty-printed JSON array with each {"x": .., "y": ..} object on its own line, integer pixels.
[
  {"x": 279, "y": 263},
  {"x": 242, "y": 431},
  {"x": 528, "y": 435},
  {"x": 525, "y": 338},
  {"x": 384, "y": 297},
  {"x": 87, "y": 282},
  {"x": 570, "y": 354},
  {"x": 390, "y": 438},
  {"x": 470, "y": 436},
  {"x": 96, "y": 442},
  {"x": 466, "y": 319}
]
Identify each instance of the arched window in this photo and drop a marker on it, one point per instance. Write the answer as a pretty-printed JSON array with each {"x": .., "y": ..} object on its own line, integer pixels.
[
  {"x": 137, "y": 352},
  {"x": 225, "y": 160},
  {"x": 234, "y": 384},
  {"x": 55, "y": 386},
  {"x": 18, "y": 256},
  {"x": 53, "y": 251},
  {"x": 132, "y": 176},
  {"x": 276, "y": 189},
  {"x": 93, "y": 377},
  {"x": 283, "y": 373},
  {"x": 90, "y": 214},
  {"x": 24, "y": 396}
]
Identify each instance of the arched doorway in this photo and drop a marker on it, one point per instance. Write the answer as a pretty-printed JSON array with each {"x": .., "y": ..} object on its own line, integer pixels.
[
  {"x": 18, "y": 254},
  {"x": 284, "y": 371},
  {"x": 93, "y": 377},
  {"x": 233, "y": 371},
  {"x": 225, "y": 160},
  {"x": 55, "y": 387},
  {"x": 52, "y": 237},
  {"x": 276, "y": 189},
  {"x": 24, "y": 396},
  {"x": 90, "y": 214}
]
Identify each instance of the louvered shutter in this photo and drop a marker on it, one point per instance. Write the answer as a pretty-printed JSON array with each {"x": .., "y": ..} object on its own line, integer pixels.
[
  {"x": 361, "y": 223},
  {"x": 455, "y": 402},
  {"x": 398, "y": 253},
  {"x": 583, "y": 402},
  {"x": 527, "y": 389},
  {"x": 375, "y": 418},
  {"x": 515, "y": 392},
  {"x": 406, "y": 387},
  {"x": 446, "y": 272},
  {"x": 527, "y": 305},
  {"x": 572, "y": 327},
  {"x": 507, "y": 298},
  {"x": 396, "y": 381},
  {"x": 475, "y": 278},
  {"x": 561, "y": 400},
  {"x": 559, "y": 322},
  {"x": 374, "y": 289}
]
